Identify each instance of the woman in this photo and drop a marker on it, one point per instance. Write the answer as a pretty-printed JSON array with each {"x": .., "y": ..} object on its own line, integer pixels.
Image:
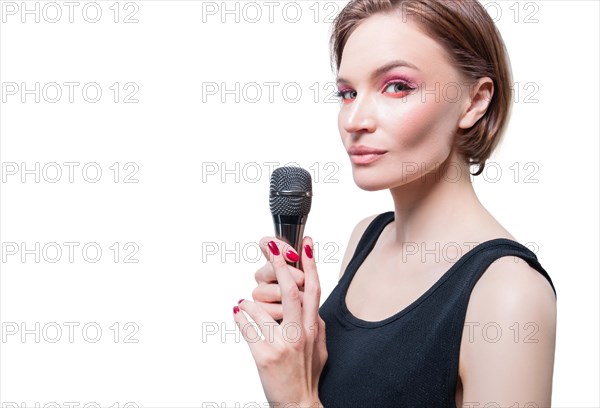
[{"x": 414, "y": 321}]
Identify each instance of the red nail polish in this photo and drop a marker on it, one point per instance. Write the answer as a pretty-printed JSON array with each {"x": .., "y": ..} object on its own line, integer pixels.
[
  {"x": 240, "y": 301},
  {"x": 236, "y": 309},
  {"x": 308, "y": 251},
  {"x": 292, "y": 256},
  {"x": 273, "y": 248}
]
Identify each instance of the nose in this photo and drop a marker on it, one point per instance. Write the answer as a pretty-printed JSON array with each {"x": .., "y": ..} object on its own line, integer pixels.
[{"x": 359, "y": 115}]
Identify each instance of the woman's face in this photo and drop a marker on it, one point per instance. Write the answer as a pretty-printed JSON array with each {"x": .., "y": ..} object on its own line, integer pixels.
[{"x": 408, "y": 114}]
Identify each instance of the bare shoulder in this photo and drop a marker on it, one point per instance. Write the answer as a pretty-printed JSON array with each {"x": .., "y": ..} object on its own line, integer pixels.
[
  {"x": 510, "y": 291},
  {"x": 355, "y": 236},
  {"x": 511, "y": 282},
  {"x": 509, "y": 336}
]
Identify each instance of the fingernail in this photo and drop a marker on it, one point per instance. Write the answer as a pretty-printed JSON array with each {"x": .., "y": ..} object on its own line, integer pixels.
[
  {"x": 308, "y": 251},
  {"x": 240, "y": 301},
  {"x": 292, "y": 256},
  {"x": 236, "y": 309},
  {"x": 273, "y": 248}
]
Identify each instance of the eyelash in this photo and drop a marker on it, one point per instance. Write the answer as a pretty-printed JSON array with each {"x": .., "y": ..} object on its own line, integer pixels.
[{"x": 340, "y": 94}]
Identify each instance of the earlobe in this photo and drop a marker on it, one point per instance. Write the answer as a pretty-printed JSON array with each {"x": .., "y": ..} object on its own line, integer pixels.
[{"x": 481, "y": 95}]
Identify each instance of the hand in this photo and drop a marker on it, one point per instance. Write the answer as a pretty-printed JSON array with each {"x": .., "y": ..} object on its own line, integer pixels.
[
  {"x": 291, "y": 357},
  {"x": 268, "y": 292}
]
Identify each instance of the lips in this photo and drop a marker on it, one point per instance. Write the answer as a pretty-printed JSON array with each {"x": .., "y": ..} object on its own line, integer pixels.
[
  {"x": 363, "y": 150},
  {"x": 365, "y": 154}
]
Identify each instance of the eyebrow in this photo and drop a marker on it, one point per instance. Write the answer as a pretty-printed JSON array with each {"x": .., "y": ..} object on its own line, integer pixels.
[{"x": 382, "y": 69}]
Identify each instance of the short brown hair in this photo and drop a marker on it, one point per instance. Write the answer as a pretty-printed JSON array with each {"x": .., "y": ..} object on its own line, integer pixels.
[{"x": 474, "y": 44}]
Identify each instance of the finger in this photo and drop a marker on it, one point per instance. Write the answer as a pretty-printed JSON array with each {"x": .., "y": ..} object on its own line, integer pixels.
[
  {"x": 321, "y": 340},
  {"x": 266, "y": 274},
  {"x": 290, "y": 294},
  {"x": 248, "y": 330},
  {"x": 275, "y": 310},
  {"x": 267, "y": 292},
  {"x": 286, "y": 249},
  {"x": 270, "y": 293},
  {"x": 264, "y": 246},
  {"x": 312, "y": 286},
  {"x": 265, "y": 322}
]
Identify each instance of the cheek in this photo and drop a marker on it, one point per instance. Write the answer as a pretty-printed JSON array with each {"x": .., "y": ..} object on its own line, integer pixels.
[{"x": 420, "y": 128}]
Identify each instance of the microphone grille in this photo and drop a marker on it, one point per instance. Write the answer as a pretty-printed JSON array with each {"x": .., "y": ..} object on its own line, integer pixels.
[{"x": 295, "y": 184}]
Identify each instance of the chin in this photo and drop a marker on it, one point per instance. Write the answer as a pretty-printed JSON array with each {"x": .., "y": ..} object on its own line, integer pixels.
[
  {"x": 375, "y": 179},
  {"x": 369, "y": 182}
]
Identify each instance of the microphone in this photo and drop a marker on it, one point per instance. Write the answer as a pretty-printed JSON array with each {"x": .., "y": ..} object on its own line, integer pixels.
[{"x": 290, "y": 198}]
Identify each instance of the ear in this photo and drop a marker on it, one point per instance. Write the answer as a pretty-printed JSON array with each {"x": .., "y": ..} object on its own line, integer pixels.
[{"x": 481, "y": 93}]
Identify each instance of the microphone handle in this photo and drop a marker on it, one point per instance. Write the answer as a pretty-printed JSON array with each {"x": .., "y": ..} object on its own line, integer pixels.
[
  {"x": 291, "y": 230},
  {"x": 292, "y": 234}
]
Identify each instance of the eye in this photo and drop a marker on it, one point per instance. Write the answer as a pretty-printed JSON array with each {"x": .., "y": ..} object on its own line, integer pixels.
[
  {"x": 344, "y": 92},
  {"x": 398, "y": 87}
]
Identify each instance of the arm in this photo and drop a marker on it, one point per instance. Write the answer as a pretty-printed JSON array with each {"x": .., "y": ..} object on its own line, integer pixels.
[{"x": 508, "y": 343}]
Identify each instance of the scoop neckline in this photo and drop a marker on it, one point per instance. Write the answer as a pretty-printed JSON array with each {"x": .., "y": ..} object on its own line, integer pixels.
[{"x": 349, "y": 317}]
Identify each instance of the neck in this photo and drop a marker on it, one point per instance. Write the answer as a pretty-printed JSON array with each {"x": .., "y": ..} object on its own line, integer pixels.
[{"x": 436, "y": 206}]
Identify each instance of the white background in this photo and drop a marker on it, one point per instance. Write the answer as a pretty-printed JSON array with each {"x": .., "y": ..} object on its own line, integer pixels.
[{"x": 185, "y": 209}]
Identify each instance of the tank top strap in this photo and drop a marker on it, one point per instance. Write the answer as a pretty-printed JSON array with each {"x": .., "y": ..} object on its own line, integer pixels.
[
  {"x": 484, "y": 254},
  {"x": 367, "y": 242},
  {"x": 479, "y": 257}
]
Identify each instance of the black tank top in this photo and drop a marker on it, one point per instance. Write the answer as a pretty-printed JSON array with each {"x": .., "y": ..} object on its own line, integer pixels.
[{"x": 409, "y": 359}]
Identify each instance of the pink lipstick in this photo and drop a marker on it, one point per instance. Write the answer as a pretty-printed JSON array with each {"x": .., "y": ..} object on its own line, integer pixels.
[{"x": 365, "y": 154}]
